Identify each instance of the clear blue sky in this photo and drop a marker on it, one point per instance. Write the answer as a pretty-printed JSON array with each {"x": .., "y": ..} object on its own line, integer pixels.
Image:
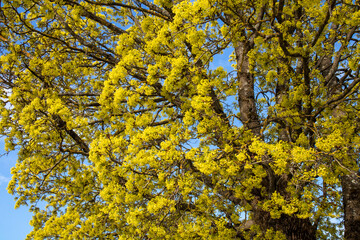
[{"x": 14, "y": 223}]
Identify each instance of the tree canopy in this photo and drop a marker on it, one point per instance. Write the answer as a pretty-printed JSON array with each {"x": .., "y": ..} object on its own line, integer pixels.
[{"x": 126, "y": 127}]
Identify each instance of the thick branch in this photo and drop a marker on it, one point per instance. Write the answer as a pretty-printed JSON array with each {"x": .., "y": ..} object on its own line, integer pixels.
[{"x": 248, "y": 112}]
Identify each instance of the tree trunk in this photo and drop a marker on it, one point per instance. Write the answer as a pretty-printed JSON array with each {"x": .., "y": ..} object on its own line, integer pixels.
[
  {"x": 294, "y": 228},
  {"x": 246, "y": 95},
  {"x": 351, "y": 204}
]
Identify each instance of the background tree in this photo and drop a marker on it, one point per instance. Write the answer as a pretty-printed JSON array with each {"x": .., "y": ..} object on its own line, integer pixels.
[{"x": 125, "y": 131}]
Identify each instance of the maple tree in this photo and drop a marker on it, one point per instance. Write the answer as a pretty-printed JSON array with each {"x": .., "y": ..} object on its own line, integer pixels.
[{"x": 124, "y": 131}]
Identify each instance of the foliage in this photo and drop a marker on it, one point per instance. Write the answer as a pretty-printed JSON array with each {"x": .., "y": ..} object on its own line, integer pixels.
[{"x": 125, "y": 131}]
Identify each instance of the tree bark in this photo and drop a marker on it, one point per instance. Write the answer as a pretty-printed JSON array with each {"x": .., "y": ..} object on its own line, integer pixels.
[
  {"x": 294, "y": 228},
  {"x": 246, "y": 96},
  {"x": 351, "y": 204}
]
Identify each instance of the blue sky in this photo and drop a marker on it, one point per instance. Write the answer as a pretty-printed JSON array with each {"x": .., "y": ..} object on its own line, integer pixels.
[{"x": 14, "y": 223}]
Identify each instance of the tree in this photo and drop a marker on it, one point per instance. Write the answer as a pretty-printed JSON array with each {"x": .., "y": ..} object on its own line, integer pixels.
[{"x": 123, "y": 129}]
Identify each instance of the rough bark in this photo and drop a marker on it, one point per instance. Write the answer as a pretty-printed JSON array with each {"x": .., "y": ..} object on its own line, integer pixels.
[
  {"x": 248, "y": 113},
  {"x": 294, "y": 228},
  {"x": 351, "y": 203}
]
